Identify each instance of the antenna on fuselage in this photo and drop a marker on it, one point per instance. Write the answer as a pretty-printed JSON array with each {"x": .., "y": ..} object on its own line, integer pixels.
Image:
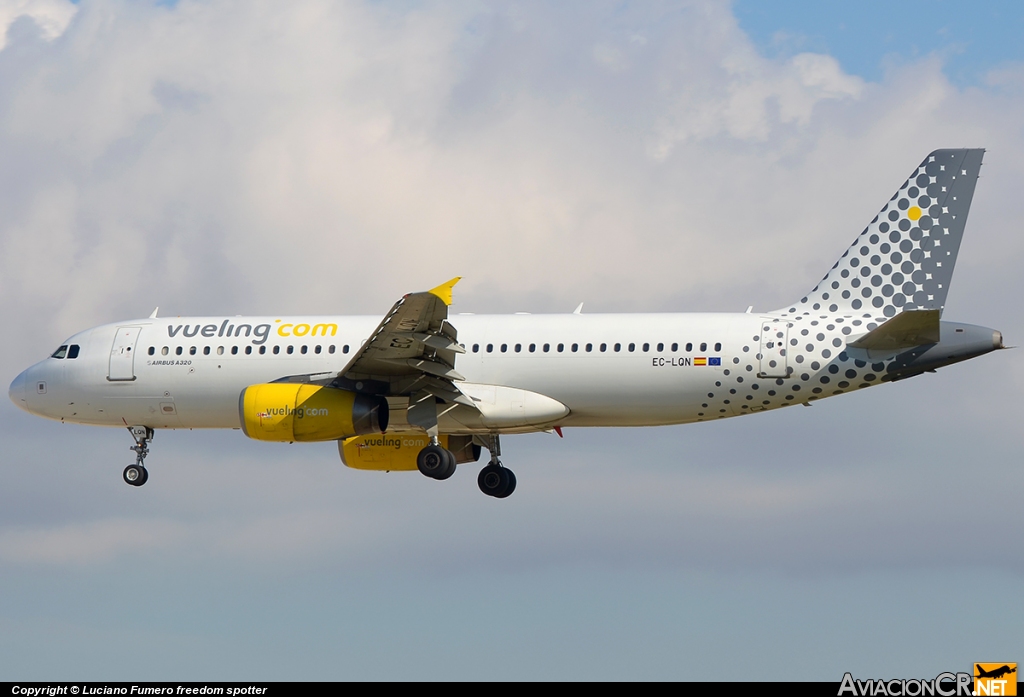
[{"x": 578, "y": 310}]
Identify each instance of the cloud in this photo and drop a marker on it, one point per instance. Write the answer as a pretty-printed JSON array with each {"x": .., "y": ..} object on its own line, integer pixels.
[
  {"x": 323, "y": 157},
  {"x": 254, "y": 157},
  {"x": 50, "y": 16}
]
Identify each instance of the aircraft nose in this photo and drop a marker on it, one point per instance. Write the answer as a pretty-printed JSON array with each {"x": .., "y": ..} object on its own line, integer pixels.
[{"x": 18, "y": 391}]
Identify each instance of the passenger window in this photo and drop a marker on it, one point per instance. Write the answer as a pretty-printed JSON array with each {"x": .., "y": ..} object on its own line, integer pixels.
[
  {"x": 476, "y": 348},
  {"x": 590, "y": 347},
  {"x": 152, "y": 350},
  {"x": 304, "y": 350},
  {"x": 618, "y": 347},
  {"x": 718, "y": 347},
  {"x": 561, "y": 347},
  {"x": 519, "y": 348},
  {"x": 703, "y": 347},
  {"x": 290, "y": 349},
  {"x": 317, "y": 349},
  {"x": 490, "y": 348},
  {"x": 344, "y": 349},
  {"x": 220, "y": 350},
  {"x": 675, "y": 346},
  {"x": 604, "y": 347},
  {"x": 277, "y": 350},
  {"x": 533, "y": 347},
  {"x": 192, "y": 350},
  {"x": 178, "y": 351},
  {"x": 504, "y": 348},
  {"x": 632, "y": 347},
  {"x": 647, "y": 347},
  {"x": 73, "y": 351},
  {"x": 60, "y": 352},
  {"x": 689, "y": 347},
  {"x": 575, "y": 348},
  {"x": 234, "y": 350},
  {"x": 330, "y": 349},
  {"x": 248, "y": 350},
  {"x": 661, "y": 347}
]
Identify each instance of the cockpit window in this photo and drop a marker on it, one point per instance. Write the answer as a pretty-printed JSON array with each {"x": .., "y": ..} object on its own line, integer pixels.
[
  {"x": 73, "y": 351},
  {"x": 61, "y": 352}
]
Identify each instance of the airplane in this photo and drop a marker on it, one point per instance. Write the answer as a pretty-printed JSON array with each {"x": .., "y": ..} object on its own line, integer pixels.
[
  {"x": 425, "y": 390},
  {"x": 996, "y": 672}
]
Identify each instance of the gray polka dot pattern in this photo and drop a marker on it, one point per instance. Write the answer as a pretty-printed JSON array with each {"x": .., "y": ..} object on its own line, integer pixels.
[
  {"x": 798, "y": 360},
  {"x": 904, "y": 258}
]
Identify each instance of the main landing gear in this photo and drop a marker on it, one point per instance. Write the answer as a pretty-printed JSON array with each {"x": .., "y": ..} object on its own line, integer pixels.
[
  {"x": 495, "y": 479},
  {"x": 436, "y": 462},
  {"x": 136, "y": 474}
]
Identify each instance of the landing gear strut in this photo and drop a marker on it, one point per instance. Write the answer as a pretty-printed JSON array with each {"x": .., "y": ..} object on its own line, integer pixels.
[
  {"x": 136, "y": 474},
  {"x": 495, "y": 479}
]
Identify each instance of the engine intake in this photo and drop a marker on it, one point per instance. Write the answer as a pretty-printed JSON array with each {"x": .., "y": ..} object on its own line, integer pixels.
[{"x": 289, "y": 412}]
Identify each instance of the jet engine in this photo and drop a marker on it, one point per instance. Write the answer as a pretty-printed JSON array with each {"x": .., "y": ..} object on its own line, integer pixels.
[
  {"x": 396, "y": 452},
  {"x": 302, "y": 412}
]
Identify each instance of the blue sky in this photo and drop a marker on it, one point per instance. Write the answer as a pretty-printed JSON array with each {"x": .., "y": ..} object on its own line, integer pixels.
[
  {"x": 258, "y": 157},
  {"x": 867, "y": 37}
]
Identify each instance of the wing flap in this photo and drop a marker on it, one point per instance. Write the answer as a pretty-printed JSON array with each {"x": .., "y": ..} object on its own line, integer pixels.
[{"x": 441, "y": 370}]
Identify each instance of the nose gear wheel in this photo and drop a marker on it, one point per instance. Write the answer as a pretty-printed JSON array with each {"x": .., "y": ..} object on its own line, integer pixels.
[{"x": 137, "y": 474}]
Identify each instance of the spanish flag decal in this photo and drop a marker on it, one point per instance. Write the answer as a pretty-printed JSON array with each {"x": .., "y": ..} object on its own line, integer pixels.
[{"x": 700, "y": 360}]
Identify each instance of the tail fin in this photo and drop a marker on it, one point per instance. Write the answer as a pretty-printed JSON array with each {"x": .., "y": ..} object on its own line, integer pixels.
[{"x": 904, "y": 258}]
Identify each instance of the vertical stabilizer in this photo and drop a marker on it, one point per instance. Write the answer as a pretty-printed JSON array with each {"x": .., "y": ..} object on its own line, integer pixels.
[{"x": 903, "y": 260}]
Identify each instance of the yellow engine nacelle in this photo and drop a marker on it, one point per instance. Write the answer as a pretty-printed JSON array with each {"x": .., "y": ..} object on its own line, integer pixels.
[
  {"x": 303, "y": 412},
  {"x": 397, "y": 451}
]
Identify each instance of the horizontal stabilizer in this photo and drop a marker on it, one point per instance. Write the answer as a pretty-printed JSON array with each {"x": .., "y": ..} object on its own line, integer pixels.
[{"x": 905, "y": 330}]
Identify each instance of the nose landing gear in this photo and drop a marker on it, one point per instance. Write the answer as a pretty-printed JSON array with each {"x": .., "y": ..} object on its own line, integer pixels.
[{"x": 136, "y": 474}]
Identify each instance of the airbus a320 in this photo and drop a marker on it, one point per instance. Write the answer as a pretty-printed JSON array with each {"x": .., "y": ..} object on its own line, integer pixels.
[{"x": 422, "y": 389}]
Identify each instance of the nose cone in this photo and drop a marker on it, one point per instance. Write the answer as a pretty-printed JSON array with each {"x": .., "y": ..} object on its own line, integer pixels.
[{"x": 18, "y": 391}]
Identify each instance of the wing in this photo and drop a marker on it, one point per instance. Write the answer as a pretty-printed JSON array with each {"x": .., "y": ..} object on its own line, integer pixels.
[
  {"x": 410, "y": 354},
  {"x": 413, "y": 349}
]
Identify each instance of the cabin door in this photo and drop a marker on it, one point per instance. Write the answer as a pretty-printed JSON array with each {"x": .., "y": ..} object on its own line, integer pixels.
[
  {"x": 774, "y": 342},
  {"x": 122, "y": 354}
]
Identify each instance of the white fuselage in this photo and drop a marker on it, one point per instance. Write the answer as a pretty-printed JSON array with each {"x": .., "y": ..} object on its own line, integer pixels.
[{"x": 608, "y": 370}]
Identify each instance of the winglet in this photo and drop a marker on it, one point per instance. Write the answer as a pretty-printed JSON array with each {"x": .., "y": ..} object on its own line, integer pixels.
[
  {"x": 444, "y": 291},
  {"x": 153, "y": 316}
]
